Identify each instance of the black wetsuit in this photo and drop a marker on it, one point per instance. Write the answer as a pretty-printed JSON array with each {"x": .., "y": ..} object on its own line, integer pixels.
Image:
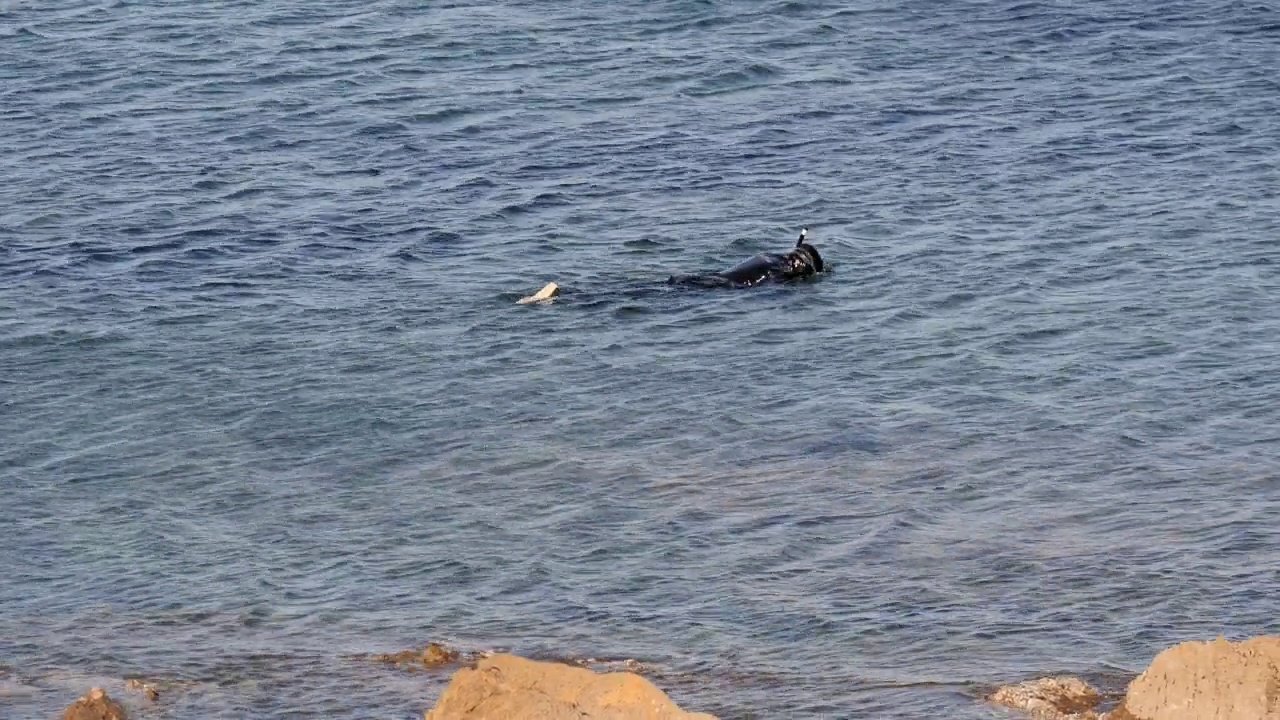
[{"x": 765, "y": 267}]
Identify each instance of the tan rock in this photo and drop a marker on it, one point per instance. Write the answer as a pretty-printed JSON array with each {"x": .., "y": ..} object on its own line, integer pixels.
[
  {"x": 1216, "y": 680},
  {"x": 1055, "y": 698},
  {"x": 506, "y": 687},
  {"x": 95, "y": 706}
]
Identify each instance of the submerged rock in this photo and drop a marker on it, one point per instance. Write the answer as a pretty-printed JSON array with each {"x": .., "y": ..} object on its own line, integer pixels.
[
  {"x": 95, "y": 706},
  {"x": 1216, "y": 680},
  {"x": 600, "y": 665},
  {"x": 506, "y": 687},
  {"x": 1055, "y": 698},
  {"x": 433, "y": 655},
  {"x": 142, "y": 687}
]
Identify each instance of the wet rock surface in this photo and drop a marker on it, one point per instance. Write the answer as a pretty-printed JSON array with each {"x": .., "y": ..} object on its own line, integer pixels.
[
  {"x": 434, "y": 655},
  {"x": 1055, "y": 698},
  {"x": 515, "y": 688},
  {"x": 95, "y": 705}
]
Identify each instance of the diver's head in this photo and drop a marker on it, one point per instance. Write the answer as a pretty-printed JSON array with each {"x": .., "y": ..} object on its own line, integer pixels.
[
  {"x": 810, "y": 255},
  {"x": 807, "y": 254}
]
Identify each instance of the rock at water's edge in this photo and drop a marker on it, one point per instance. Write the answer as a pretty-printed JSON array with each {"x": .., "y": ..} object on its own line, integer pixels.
[
  {"x": 434, "y": 655},
  {"x": 95, "y": 706},
  {"x": 1056, "y": 698},
  {"x": 1216, "y": 680},
  {"x": 506, "y": 687}
]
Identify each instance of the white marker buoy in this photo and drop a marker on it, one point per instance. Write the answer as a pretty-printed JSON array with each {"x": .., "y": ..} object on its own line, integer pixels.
[{"x": 544, "y": 295}]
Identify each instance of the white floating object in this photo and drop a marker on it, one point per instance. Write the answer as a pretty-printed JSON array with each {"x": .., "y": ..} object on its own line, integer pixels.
[{"x": 544, "y": 295}]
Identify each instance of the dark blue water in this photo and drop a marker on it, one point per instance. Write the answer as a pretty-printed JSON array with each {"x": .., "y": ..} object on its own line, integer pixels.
[{"x": 266, "y": 400}]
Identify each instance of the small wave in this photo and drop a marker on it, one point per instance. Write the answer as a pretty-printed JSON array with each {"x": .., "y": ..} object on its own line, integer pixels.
[
  {"x": 350, "y": 172},
  {"x": 407, "y": 255},
  {"x": 1268, "y": 29},
  {"x": 541, "y": 168},
  {"x": 954, "y": 300},
  {"x": 245, "y": 193},
  {"x": 290, "y": 77},
  {"x": 537, "y": 202},
  {"x": 383, "y": 130},
  {"x": 443, "y": 237},
  {"x": 442, "y": 116},
  {"x": 374, "y": 59},
  {"x": 106, "y": 257},
  {"x": 325, "y": 250},
  {"x": 204, "y": 253},
  {"x": 752, "y": 77},
  {"x": 794, "y": 7},
  {"x": 147, "y": 249},
  {"x": 612, "y": 100},
  {"x": 703, "y": 23},
  {"x": 642, "y": 246},
  {"x": 626, "y": 312},
  {"x": 225, "y": 284}
]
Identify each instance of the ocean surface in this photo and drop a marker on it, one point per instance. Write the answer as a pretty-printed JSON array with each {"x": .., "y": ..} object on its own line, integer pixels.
[{"x": 267, "y": 402}]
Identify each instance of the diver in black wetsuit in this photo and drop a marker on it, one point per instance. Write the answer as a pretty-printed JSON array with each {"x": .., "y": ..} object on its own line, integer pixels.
[{"x": 801, "y": 262}]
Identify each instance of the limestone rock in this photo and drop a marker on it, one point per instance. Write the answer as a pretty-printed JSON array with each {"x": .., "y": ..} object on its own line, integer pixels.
[
  {"x": 95, "y": 706},
  {"x": 506, "y": 687},
  {"x": 1055, "y": 698},
  {"x": 1216, "y": 680}
]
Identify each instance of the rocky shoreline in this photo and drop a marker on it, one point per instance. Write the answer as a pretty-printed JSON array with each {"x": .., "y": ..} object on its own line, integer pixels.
[{"x": 1215, "y": 680}]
